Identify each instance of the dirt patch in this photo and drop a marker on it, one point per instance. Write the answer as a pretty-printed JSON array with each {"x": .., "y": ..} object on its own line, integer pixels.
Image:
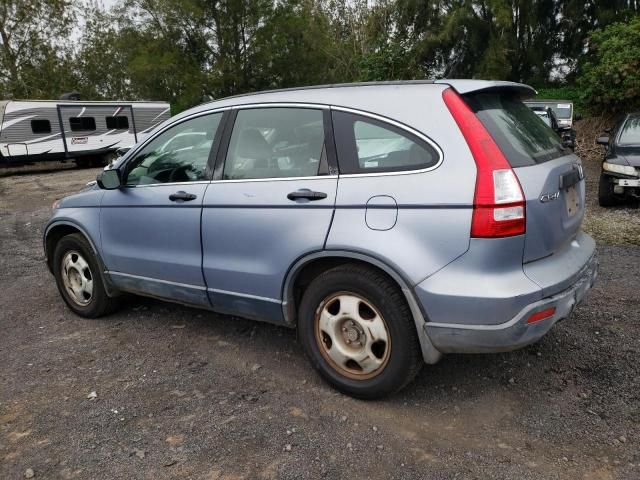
[{"x": 177, "y": 394}]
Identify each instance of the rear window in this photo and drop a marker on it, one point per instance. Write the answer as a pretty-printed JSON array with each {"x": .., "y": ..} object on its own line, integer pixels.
[
  {"x": 521, "y": 135},
  {"x": 630, "y": 133}
]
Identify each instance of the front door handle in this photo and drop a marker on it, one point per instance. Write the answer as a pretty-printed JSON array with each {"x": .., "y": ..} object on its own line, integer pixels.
[
  {"x": 307, "y": 194},
  {"x": 182, "y": 196}
]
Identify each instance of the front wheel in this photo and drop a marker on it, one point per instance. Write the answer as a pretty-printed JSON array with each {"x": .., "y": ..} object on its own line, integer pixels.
[
  {"x": 606, "y": 197},
  {"x": 78, "y": 278},
  {"x": 358, "y": 332}
]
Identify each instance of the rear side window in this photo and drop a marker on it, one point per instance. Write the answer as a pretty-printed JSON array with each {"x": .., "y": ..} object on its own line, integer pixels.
[
  {"x": 117, "y": 123},
  {"x": 40, "y": 126},
  {"x": 82, "y": 124},
  {"x": 366, "y": 145},
  {"x": 630, "y": 133},
  {"x": 522, "y": 137}
]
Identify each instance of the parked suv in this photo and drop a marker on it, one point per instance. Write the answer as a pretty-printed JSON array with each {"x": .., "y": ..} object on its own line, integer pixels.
[
  {"x": 390, "y": 223},
  {"x": 620, "y": 176}
]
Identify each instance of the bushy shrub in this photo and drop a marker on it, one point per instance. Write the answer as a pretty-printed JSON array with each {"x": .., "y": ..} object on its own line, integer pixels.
[{"x": 610, "y": 75}]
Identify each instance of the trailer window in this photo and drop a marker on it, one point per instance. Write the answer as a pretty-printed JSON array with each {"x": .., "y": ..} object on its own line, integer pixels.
[
  {"x": 82, "y": 124},
  {"x": 117, "y": 123},
  {"x": 40, "y": 126}
]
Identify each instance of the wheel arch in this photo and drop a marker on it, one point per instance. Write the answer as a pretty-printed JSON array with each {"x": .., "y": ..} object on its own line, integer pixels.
[
  {"x": 61, "y": 228},
  {"x": 309, "y": 266},
  {"x": 55, "y": 231}
]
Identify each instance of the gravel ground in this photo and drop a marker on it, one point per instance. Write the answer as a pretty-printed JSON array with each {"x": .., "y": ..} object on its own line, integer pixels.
[{"x": 183, "y": 393}]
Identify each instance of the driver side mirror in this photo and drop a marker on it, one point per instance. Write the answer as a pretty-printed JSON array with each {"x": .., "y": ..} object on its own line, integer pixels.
[
  {"x": 603, "y": 141},
  {"x": 109, "y": 179},
  {"x": 577, "y": 117}
]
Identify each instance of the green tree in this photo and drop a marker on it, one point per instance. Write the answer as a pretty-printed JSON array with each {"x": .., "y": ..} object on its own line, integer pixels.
[
  {"x": 609, "y": 76},
  {"x": 32, "y": 53}
]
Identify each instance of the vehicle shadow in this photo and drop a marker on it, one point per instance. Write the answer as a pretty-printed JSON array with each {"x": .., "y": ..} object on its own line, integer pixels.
[{"x": 475, "y": 374}]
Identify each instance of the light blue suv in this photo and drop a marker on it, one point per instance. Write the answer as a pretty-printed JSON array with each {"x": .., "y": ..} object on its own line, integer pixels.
[{"x": 390, "y": 223}]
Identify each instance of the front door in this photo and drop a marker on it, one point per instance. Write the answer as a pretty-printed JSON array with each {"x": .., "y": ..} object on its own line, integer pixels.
[
  {"x": 150, "y": 227},
  {"x": 272, "y": 204}
]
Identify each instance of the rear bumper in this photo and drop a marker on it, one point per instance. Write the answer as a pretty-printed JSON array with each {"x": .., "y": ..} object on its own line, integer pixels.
[
  {"x": 515, "y": 333},
  {"x": 481, "y": 302}
]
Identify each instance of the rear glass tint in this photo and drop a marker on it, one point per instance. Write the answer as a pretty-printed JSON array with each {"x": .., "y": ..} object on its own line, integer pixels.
[{"x": 522, "y": 136}]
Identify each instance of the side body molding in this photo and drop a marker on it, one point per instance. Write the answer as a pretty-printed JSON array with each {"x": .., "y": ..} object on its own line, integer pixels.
[{"x": 429, "y": 353}]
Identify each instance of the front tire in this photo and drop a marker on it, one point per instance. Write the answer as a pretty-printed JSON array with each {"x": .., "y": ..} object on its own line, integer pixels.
[
  {"x": 358, "y": 332},
  {"x": 78, "y": 278},
  {"x": 606, "y": 197}
]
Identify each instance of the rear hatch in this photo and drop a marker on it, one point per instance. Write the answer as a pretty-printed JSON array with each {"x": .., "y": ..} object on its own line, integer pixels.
[{"x": 550, "y": 175}]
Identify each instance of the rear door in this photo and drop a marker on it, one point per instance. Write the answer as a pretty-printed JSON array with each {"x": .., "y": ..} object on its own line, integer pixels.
[
  {"x": 550, "y": 175},
  {"x": 271, "y": 204}
]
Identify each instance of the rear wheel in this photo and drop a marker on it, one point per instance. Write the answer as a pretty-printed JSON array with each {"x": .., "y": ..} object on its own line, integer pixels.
[
  {"x": 78, "y": 278},
  {"x": 606, "y": 197},
  {"x": 358, "y": 332}
]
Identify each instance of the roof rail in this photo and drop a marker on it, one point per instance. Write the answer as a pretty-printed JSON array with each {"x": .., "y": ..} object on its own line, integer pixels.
[{"x": 329, "y": 85}]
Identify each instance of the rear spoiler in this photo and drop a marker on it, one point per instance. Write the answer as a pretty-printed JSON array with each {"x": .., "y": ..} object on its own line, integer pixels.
[{"x": 463, "y": 86}]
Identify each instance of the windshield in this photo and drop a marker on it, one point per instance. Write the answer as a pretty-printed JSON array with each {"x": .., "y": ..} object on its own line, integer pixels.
[
  {"x": 562, "y": 110},
  {"x": 630, "y": 134},
  {"x": 524, "y": 137}
]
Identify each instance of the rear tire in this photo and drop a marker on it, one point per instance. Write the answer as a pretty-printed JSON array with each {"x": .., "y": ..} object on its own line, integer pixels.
[
  {"x": 78, "y": 278},
  {"x": 606, "y": 197},
  {"x": 358, "y": 332}
]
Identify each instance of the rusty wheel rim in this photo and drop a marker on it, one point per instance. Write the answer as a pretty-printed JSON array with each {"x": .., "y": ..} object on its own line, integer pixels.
[
  {"x": 352, "y": 335},
  {"x": 77, "y": 278}
]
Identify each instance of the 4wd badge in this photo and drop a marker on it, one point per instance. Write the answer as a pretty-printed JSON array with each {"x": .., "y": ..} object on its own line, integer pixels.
[
  {"x": 79, "y": 140},
  {"x": 548, "y": 197}
]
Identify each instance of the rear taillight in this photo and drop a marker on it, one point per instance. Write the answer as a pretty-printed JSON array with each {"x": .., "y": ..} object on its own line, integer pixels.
[{"x": 498, "y": 202}]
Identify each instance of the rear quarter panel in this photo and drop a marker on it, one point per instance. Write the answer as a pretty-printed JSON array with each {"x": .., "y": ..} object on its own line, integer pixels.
[{"x": 434, "y": 207}]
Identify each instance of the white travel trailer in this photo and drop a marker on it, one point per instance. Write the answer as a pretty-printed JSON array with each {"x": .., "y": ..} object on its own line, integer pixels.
[{"x": 40, "y": 130}]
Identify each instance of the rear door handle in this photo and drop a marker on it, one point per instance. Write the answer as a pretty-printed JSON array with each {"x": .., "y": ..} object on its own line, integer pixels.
[
  {"x": 182, "y": 196},
  {"x": 307, "y": 194}
]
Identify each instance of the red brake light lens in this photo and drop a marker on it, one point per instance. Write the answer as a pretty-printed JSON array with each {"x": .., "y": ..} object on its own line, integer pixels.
[
  {"x": 542, "y": 315},
  {"x": 498, "y": 204}
]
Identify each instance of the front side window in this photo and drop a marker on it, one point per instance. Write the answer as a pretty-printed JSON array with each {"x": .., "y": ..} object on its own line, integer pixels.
[
  {"x": 366, "y": 145},
  {"x": 179, "y": 154},
  {"x": 630, "y": 133},
  {"x": 275, "y": 143},
  {"x": 82, "y": 124}
]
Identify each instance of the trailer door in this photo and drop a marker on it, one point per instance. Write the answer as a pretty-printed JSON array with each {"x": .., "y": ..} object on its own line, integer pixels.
[{"x": 96, "y": 128}]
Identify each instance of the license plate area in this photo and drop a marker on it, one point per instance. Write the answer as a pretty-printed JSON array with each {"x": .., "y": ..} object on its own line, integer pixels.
[
  {"x": 626, "y": 182},
  {"x": 571, "y": 200}
]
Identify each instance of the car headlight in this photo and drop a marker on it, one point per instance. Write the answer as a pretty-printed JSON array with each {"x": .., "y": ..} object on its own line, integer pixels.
[
  {"x": 55, "y": 205},
  {"x": 623, "y": 169}
]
